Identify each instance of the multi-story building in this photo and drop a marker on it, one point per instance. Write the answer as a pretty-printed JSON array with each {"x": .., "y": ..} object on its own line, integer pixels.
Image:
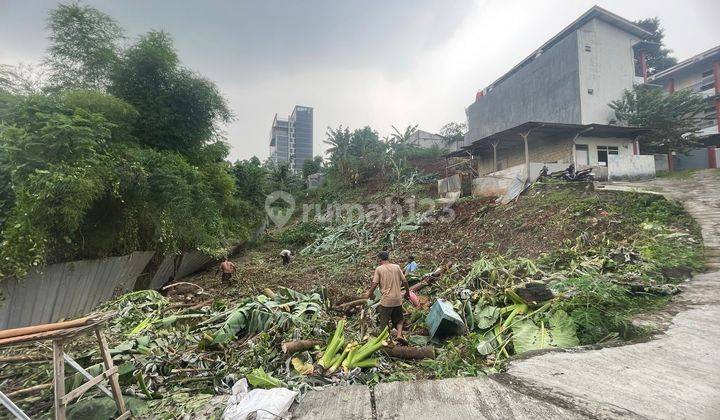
[
  {"x": 291, "y": 140},
  {"x": 552, "y": 109},
  {"x": 570, "y": 79},
  {"x": 700, "y": 74}
]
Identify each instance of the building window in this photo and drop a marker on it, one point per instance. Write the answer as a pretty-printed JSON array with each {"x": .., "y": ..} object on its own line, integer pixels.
[
  {"x": 707, "y": 86},
  {"x": 590, "y": 91},
  {"x": 582, "y": 155},
  {"x": 587, "y": 48},
  {"x": 707, "y": 73},
  {"x": 603, "y": 152}
]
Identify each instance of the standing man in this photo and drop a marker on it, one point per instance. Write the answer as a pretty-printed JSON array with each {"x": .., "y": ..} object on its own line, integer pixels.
[
  {"x": 285, "y": 254},
  {"x": 390, "y": 278},
  {"x": 228, "y": 269}
]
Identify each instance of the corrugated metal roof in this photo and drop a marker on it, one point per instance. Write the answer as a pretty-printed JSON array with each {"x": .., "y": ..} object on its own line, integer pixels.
[
  {"x": 511, "y": 136},
  {"x": 685, "y": 64}
]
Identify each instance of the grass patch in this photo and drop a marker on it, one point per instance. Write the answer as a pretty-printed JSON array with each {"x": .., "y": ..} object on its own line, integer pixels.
[{"x": 683, "y": 174}]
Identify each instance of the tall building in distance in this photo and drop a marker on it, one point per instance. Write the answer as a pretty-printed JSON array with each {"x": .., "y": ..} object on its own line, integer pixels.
[{"x": 291, "y": 139}]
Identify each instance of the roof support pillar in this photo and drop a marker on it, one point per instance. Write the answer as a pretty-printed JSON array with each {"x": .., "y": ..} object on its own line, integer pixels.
[
  {"x": 527, "y": 154},
  {"x": 574, "y": 142},
  {"x": 494, "y": 145}
]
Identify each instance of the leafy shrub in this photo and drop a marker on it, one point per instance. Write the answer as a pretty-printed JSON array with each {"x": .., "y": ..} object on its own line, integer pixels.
[{"x": 300, "y": 234}]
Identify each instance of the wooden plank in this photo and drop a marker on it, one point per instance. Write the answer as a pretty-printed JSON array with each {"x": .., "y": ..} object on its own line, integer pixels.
[
  {"x": 85, "y": 373},
  {"x": 75, "y": 393},
  {"x": 125, "y": 415},
  {"x": 460, "y": 399},
  {"x": 107, "y": 360},
  {"x": 52, "y": 335},
  {"x": 59, "y": 379},
  {"x": 15, "y": 332},
  {"x": 336, "y": 402}
]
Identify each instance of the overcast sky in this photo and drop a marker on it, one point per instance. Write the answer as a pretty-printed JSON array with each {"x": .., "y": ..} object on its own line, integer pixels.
[{"x": 377, "y": 63}]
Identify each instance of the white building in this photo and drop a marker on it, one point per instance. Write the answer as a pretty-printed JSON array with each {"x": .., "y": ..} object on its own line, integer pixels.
[
  {"x": 700, "y": 74},
  {"x": 427, "y": 140},
  {"x": 570, "y": 79}
]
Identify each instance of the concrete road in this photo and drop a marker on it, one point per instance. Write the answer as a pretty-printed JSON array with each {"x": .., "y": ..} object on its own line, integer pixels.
[{"x": 676, "y": 375}]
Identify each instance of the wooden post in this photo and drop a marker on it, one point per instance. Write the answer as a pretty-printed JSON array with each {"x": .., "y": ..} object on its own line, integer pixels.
[
  {"x": 59, "y": 379},
  {"x": 114, "y": 383}
]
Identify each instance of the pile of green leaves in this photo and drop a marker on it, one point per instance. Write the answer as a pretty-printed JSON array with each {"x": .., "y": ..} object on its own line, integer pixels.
[{"x": 254, "y": 315}]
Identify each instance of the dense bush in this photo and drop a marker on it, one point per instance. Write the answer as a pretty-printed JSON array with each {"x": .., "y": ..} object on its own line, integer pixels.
[{"x": 85, "y": 173}]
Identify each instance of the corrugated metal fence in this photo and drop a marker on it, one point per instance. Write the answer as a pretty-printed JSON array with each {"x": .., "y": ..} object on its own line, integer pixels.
[
  {"x": 71, "y": 289},
  {"x": 68, "y": 289}
]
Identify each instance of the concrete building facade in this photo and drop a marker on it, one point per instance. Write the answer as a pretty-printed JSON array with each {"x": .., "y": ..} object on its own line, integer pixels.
[
  {"x": 427, "y": 140},
  {"x": 570, "y": 79},
  {"x": 291, "y": 140},
  {"x": 700, "y": 74}
]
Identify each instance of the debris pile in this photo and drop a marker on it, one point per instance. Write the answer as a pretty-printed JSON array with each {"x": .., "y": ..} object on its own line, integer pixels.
[{"x": 191, "y": 350}]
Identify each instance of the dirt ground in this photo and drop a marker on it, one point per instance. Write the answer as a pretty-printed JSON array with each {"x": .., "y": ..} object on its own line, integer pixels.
[{"x": 540, "y": 221}]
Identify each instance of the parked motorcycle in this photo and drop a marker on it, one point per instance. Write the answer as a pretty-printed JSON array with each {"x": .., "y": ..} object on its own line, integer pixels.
[{"x": 568, "y": 174}]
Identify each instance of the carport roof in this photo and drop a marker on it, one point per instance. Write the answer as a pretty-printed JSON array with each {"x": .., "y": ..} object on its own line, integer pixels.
[{"x": 511, "y": 137}]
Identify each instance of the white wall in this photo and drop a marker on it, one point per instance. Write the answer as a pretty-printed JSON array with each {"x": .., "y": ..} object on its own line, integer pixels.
[
  {"x": 608, "y": 68},
  {"x": 624, "y": 146},
  {"x": 631, "y": 167}
]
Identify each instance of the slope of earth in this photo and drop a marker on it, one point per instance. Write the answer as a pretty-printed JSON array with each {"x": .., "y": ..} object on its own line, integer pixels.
[
  {"x": 673, "y": 375},
  {"x": 182, "y": 351},
  {"x": 544, "y": 220}
]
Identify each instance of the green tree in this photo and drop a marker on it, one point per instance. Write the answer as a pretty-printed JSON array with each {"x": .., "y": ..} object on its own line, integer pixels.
[
  {"x": 178, "y": 109},
  {"x": 453, "y": 133},
  {"x": 57, "y": 170},
  {"x": 657, "y": 56},
  {"x": 312, "y": 166},
  {"x": 672, "y": 117},
  {"x": 405, "y": 136},
  {"x": 83, "y": 47},
  {"x": 22, "y": 79},
  {"x": 119, "y": 113},
  {"x": 281, "y": 177},
  {"x": 251, "y": 180},
  {"x": 356, "y": 156}
]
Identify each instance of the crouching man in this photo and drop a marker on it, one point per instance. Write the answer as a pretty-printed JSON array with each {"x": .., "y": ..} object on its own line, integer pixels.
[{"x": 390, "y": 278}]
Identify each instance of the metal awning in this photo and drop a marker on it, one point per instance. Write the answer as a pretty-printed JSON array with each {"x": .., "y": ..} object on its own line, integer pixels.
[{"x": 513, "y": 137}]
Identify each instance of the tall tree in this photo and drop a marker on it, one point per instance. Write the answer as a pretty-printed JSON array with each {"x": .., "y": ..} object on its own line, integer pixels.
[
  {"x": 83, "y": 47},
  {"x": 251, "y": 179},
  {"x": 179, "y": 110},
  {"x": 453, "y": 133},
  {"x": 312, "y": 166},
  {"x": 672, "y": 117},
  {"x": 657, "y": 56},
  {"x": 22, "y": 79}
]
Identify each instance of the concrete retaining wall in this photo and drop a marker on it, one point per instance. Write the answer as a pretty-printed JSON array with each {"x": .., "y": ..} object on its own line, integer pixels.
[
  {"x": 631, "y": 167},
  {"x": 694, "y": 159},
  {"x": 661, "y": 162},
  {"x": 68, "y": 290},
  {"x": 449, "y": 185},
  {"x": 497, "y": 183}
]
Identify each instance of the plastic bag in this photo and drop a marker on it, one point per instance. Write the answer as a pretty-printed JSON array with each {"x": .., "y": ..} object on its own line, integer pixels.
[{"x": 267, "y": 404}]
